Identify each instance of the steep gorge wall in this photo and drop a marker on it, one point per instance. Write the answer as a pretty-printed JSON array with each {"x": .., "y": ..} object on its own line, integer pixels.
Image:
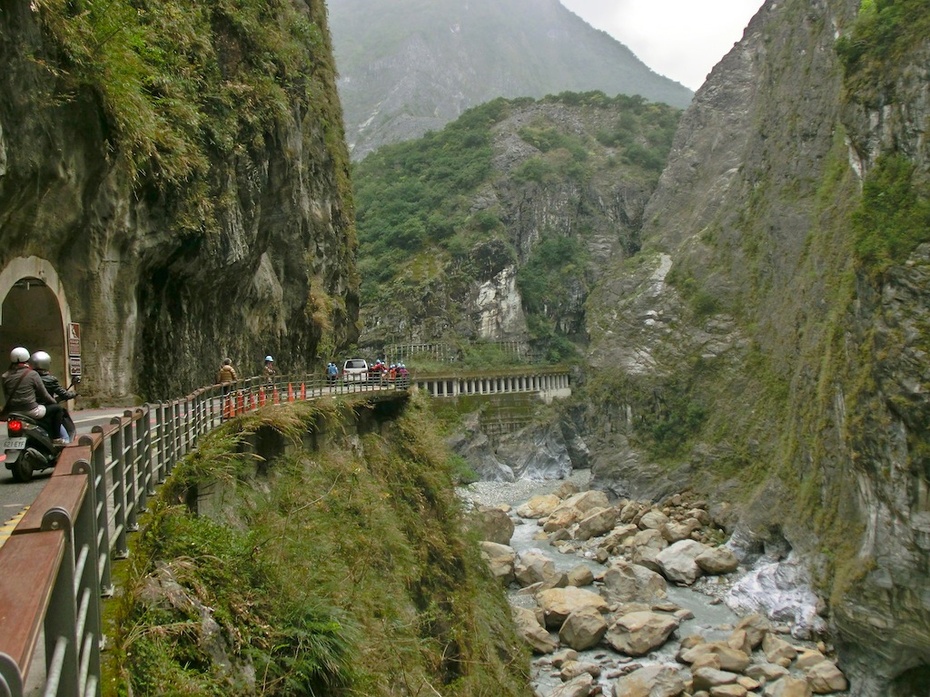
[
  {"x": 205, "y": 214},
  {"x": 760, "y": 358}
]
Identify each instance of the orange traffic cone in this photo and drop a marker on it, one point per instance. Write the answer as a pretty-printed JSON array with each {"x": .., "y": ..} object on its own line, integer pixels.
[
  {"x": 227, "y": 407},
  {"x": 275, "y": 396},
  {"x": 252, "y": 404},
  {"x": 303, "y": 391},
  {"x": 261, "y": 396},
  {"x": 241, "y": 404},
  {"x": 290, "y": 392}
]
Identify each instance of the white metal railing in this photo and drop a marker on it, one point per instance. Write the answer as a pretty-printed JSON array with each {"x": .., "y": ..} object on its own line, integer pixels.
[
  {"x": 56, "y": 565},
  {"x": 545, "y": 381}
]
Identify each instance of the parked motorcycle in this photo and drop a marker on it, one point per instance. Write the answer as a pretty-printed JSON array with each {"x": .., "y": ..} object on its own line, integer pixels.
[{"x": 29, "y": 449}]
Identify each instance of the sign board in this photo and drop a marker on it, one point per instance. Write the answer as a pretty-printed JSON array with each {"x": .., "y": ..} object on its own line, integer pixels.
[
  {"x": 74, "y": 349},
  {"x": 74, "y": 339}
]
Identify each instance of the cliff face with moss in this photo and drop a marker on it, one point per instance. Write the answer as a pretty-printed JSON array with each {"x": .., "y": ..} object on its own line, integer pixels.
[
  {"x": 184, "y": 170},
  {"x": 772, "y": 334},
  {"x": 333, "y": 563}
]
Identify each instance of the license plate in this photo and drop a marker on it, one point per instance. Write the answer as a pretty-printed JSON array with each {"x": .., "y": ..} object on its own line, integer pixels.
[{"x": 14, "y": 444}]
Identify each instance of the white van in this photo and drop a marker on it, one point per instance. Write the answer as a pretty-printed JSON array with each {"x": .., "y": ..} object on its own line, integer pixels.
[{"x": 355, "y": 370}]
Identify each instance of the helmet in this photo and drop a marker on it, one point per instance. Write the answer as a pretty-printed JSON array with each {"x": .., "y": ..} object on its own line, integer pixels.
[
  {"x": 269, "y": 358},
  {"x": 41, "y": 360},
  {"x": 19, "y": 355}
]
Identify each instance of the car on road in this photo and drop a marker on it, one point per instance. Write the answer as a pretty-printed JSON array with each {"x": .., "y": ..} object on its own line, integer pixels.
[{"x": 355, "y": 370}]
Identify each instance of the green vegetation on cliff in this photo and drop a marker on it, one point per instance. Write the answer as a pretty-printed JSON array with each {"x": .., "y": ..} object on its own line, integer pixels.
[
  {"x": 884, "y": 34},
  {"x": 341, "y": 570},
  {"x": 441, "y": 214},
  {"x": 894, "y": 216},
  {"x": 184, "y": 84}
]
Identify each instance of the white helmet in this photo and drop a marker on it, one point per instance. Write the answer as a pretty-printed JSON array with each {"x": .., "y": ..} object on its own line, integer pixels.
[
  {"x": 41, "y": 360},
  {"x": 269, "y": 358},
  {"x": 19, "y": 355}
]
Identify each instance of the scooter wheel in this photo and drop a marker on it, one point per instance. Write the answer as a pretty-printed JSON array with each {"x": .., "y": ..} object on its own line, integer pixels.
[{"x": 22, "y": 469}]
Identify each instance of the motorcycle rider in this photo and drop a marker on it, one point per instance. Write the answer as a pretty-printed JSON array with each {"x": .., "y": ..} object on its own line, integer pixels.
[
  {"x": 25, "y": 393},
  {"x": 41, "y": 362}
]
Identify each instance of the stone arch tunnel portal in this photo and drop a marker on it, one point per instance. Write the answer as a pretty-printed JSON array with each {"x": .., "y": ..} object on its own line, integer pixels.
[{"x": 34, "y": 313}]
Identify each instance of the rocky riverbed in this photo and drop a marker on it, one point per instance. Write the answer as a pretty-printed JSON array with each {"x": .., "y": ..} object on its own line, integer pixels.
[{"x": 632, "y": 599}]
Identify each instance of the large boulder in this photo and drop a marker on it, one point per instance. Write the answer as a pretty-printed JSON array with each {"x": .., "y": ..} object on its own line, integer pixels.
[
  {"x": 533, "y": 566},
  {"x": 674, "y": 531},
  {"x": 539, "y": 506},
  {"x": 717, "y": 560},
  {"x": 597, "y": 522},
  {"x": 588, "y": 500},
  {"x": 561, "y": 518},
  {"x": 653, "y": 519},
  {"x": 582, "y": 686},
  {"x": 778, "y": 651},
  {"x": 616, "y": 537},
  {"x": 533, "y": 633},
  {"x": 825, "y": 678},
  {"x": 500, "y": 560},
  {"x": 756, "y": 627},
  {"x": 651, "y": 681},
  {"x": 491, "y": 524},
  {"x": 730, "y": 659},
  {"x": 710, "y": 678},
  {"x": 558, "y": 603},
  {"x": 788, "y": 687},
  {"x": 580, "y": 576},
  {"x": 626, "y": 582},
  {"x": 638, "y": 633},
  {"x": 645, "y": 547},
  {"x": 677, "y": 562},
  {"x": 583, "y": 628}
]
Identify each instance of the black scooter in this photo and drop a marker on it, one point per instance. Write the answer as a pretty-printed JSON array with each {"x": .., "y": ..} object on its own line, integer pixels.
[{"x": 29, "y": 449}]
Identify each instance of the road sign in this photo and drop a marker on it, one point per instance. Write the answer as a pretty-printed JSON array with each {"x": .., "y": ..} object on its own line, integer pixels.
[{"x": 74, "y": 339}]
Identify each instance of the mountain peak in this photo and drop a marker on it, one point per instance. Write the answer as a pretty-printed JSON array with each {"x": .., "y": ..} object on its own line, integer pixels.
[{"x": 410, "y": 66}]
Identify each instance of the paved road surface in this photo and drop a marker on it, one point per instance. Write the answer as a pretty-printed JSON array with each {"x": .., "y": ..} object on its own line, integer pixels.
[{"x": 15, "y": 497}]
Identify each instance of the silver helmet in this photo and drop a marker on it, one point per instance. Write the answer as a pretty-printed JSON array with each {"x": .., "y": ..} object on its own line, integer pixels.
[
  {"x": 19, "y": 355},
  {"x": 41, "y": 360}
]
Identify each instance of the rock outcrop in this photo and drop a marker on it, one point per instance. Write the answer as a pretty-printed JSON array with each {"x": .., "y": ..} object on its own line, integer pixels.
[
  {"x": 761, "y": 344},
  {"x": 204, "y": 214}
]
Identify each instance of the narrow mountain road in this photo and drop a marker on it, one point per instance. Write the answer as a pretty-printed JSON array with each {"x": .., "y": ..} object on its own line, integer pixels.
[{"x": 15, "y": 497}]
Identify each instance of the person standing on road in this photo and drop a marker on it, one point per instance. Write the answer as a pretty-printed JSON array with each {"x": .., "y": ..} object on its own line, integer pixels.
[
  {"x": 332, "y": 371},
  {"x": 25, "y": 392},
  {"x": 269, "y": 370},
  {"x": 226, "y": 375}
]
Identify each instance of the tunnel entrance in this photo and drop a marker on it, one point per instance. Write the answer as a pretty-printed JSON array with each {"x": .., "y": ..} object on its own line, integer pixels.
[{"x": 34, "y": 312}]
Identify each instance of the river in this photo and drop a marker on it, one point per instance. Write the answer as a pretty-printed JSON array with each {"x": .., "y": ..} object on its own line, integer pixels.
[{"x": 776, "y": 588}]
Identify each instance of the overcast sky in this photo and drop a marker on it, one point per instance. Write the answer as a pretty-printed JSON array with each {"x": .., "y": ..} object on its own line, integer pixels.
[{"x": 681, "y": 39}]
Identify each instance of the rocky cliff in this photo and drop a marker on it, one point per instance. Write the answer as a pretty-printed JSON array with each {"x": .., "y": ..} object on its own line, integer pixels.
[
  {"x": 497, "y": 227},
  {"x": 184, "y": 171},
  {"x": 772, "y": 333}
]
